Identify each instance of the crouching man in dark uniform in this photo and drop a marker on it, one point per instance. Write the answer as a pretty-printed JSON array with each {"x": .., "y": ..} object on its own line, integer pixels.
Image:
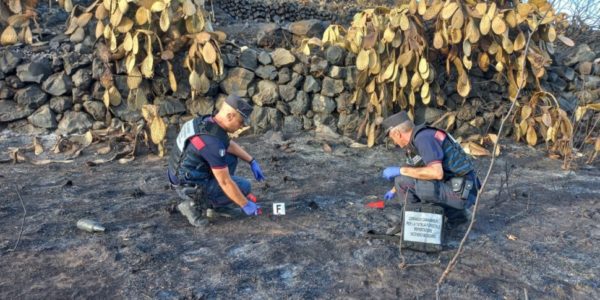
[
  {"x": 438, "y": 170},
  {"x": 203, "y": 162}
]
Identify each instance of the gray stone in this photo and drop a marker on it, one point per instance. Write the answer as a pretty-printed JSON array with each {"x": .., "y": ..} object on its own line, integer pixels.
[
  {"x": 9, "y": 61},
  {"x": 98, "y": 124},
  {"x": 43, "y": 117},
  {"x": 75, "y": 122},
  {"x": 591, "y": 82},
  {"x": 351, "y": 74},
  {"x": 23, "y": 127},
  {"x": 229, "y": 60},
  {"x": 343, "y": 102},
  {"x": 170, "y": 106},
  {"x": 268, "y": 93},
  {"x": 31, "y": 96},
  {"x": 565, "y": 72},
  {"x": 292, "y": 124},
  {"x": 268, "y": 72},
  {"x": 318, "y": 66},
  {"x": 96, "y": 109},
  {"x": 287, "y": 92},
  {"x": 98, "y": 68},
  {"x": 335, "y": 55},
  {"x": 284, "y": 76},
  {"x": 264, "y": 58},
  {"x": 308, "y": 28},
  {"x": 337, "y": 72},
  {"x": 200, "y": 106},
  {"x": 327, "y": 120},
  {"x": 300, "y": 68},
  {"x": 582, "y": 53},
  {"x": 265, "y": 118},
  {"x": 311, "y": 85},
  {"x": 270, "y": 35},
  {"x": 332, "y": 87},
  {"x": 74, "y": 60},
  {"x": 248, "y": 59},
  {"x": 308, "y": 123},
  {"x": 34, "y": 71},
  {"x": 283, "y": 108},
  {"x": 585, "y": 68},
  {"x": 126, "y": 114},
  {"x": 296, "y": 81},
  {"x": 10, "y": 111},
  {"x": 350, "y": 59},
  {"x": 57, "y": 84},
  {"x": 237, "y": 81},
  {"x": 348, "y": 124},
  {"x": 77, "y": 107},
  {"x": 322, "y": 104},
  {"x": 305, "y": 59},
  {"x": 427, "y": 114},
  {"x": 300, "y": 104},
  {"x": 282, "y": 57},
  {"x": 5, "y": 91},
  {"x": 14, "y": 82},
  {"x": 252, "y": 89},
  {"x": 83, "y": 78},
  {"x": 465, "y": 130}
]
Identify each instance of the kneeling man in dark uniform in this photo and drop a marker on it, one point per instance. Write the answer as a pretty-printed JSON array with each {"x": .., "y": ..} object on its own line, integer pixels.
[
  {"x": 438, "y": 171},
  {"x": 203, "y": 163}
]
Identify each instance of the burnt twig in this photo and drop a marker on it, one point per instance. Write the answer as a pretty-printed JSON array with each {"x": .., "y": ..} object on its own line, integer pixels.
[
  {"x": 22, "y": 221},
  {"x": 454, "y": 260}
]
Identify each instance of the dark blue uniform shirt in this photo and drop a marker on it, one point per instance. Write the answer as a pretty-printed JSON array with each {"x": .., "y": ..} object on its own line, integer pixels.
[
  {"x": 210, "y": 149},
  {"x": 429, "y": 145}
]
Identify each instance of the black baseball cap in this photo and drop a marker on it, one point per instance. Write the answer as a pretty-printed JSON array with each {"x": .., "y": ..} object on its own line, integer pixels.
[
  {"x": 241, "y": 106},
  {"x": 394, "y": 120}
]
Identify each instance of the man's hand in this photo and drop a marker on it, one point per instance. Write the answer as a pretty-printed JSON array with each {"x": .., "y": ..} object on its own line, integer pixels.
[
  {"x": 251, "y": 209},
  {"x": 256, "y": 170},
  {"x": 390, "y": 195},
  {"x": 390, "y": 172}
]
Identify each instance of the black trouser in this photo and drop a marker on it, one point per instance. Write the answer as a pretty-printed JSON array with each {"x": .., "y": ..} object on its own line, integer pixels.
[{"x": 430, "y": 191}]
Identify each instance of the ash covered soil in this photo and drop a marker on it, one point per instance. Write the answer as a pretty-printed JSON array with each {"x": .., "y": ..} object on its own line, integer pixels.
[{"x": 317, "y": 250}]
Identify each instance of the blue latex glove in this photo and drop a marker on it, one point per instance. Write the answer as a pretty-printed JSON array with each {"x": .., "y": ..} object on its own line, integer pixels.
[
  {"x": 390, "y": 172},
  {"x": 389, "y": 195},
  {"x": 251, "y": 208},
  {"x": 258, "y": 174}
]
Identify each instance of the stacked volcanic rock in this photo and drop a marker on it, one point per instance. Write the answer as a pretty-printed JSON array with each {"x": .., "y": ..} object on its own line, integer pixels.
[
  {"x": 60, "y": 90},
  {"x": 292, "y": 91},
  {"x": 576, "y": 81},
  {"x": 280, "y": 11}
]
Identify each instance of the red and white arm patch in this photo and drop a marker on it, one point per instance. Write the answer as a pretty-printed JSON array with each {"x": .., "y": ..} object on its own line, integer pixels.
[
  {"x": 197, "y": 142},
  {"x": 440, "y": 135}
]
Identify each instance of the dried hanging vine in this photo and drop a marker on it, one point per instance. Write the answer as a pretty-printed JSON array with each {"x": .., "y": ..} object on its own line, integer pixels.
[
  {"x": 395, "y": 51},
  {"x": 133, "y": 31},
  {"x": 17, "y": 16}
]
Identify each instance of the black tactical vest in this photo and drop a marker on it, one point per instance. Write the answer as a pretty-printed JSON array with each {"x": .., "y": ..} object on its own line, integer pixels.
[
  {"x": 183, "y": 162},
  {"x": 456, "y": 162}
]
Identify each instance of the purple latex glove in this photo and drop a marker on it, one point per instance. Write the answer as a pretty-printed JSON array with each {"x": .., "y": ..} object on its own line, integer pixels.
[
  {"x": 389, "y": 195},
  {"x": 256, "y": 170},
  {"x": 251, "y": 209},
  {"x": 390, "y": 172}
]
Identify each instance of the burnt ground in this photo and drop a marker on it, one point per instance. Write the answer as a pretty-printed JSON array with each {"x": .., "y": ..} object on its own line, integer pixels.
[{"x": 317, "y": 250}]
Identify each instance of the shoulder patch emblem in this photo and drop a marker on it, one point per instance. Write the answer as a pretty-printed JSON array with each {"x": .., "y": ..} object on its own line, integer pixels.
[
  {"x": 197, "y": 142},
  {"x": 439, "y": 135}
]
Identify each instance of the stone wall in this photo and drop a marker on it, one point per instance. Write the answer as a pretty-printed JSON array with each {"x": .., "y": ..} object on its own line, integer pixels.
[
  {"x": 59, "y": 89},
  {"x": 282, "y": 11}
]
